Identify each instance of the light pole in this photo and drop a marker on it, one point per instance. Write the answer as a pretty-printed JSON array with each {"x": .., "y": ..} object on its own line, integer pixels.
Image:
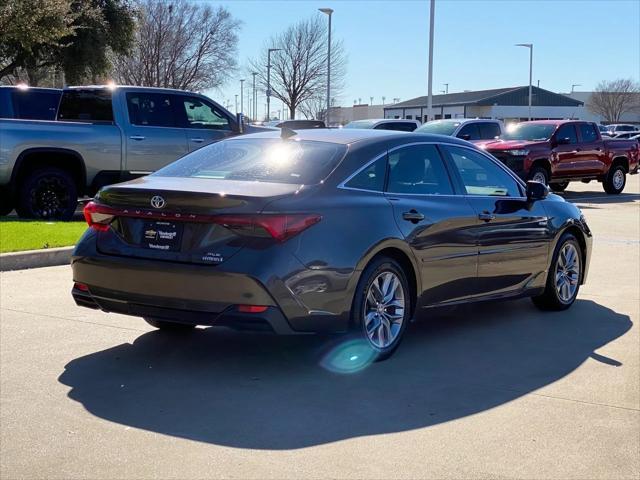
[
  {"x": 241, "y": 95},
  {"x": 383, "y": 99},
  {"x": 328, "y": 11},
  {"x": 255, "y": 98},
  {"x": 269, "y": 79},
  {"x": 370, "y": 100},
  {"x": 446, "y": 86},
  {"x": 430, "y": 79},
  {"x": 574, "y": 86},
  {"x": 236, "y": 103},
  {"x": 530, "y": 47}
]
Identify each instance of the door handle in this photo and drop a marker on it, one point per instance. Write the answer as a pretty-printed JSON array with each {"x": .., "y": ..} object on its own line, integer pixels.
[
  {"x": 136, "y": 137},
  {"x": 413, "y": 216},
  {"x": 197, "y": 140},
  {"x": 486, "y": 216}
]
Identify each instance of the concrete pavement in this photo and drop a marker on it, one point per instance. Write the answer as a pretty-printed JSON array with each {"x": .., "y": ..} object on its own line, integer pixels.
[{"x": 491, "y": 391}]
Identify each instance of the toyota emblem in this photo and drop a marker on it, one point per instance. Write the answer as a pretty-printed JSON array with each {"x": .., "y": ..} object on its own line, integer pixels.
[{"x": 157, "y": 201}]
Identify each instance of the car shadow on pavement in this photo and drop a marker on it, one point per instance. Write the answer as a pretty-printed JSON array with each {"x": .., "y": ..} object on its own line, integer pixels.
[
  {"x": 598, "y": 197},
  {"x": 261, "y": 391}
]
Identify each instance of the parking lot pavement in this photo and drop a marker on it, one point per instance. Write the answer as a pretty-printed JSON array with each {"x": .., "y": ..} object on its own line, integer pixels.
[{"x": 492, "y": 391}]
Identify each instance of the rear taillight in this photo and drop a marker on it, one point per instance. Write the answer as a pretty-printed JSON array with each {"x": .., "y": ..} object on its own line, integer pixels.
[
  {"x": 279, "y": 226},
  {"x": 252, "y": 308},
  {"x": 98, "y": 216}
]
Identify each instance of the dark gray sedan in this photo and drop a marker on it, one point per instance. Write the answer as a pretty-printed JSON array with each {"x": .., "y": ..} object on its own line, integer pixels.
[{"x": 327, "y": 231}]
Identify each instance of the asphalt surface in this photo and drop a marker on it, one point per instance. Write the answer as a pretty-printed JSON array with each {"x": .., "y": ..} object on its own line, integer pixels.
[{"x": 491, "y": 391}]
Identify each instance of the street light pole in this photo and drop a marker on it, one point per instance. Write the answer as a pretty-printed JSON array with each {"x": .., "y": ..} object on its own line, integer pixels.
[
  {"x": 241, "y": 95},
  {"x": 269, "y": 79},
  {"x": 328, "y": 11},
  {"x": 530, "y": 47},
  {"x": 446, "y": 86},
  {"x": 574, "y": 86},
  {"x": 255, "y": 98},
  {"x": 430, "y": 81},
  {"x": 236, "y": 103}
]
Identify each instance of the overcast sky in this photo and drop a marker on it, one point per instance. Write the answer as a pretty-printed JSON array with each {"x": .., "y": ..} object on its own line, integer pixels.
[{"x": 575, "y": 42}]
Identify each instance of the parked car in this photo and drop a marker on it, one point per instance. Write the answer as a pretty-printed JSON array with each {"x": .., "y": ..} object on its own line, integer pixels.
[
  {"x": 396, "y": 124},
  {"x": 266, "y": 233},
  {"x": 296, "y": 124},
  {"x": 471, "y": 129},
  {"x": 29, "y": 103},
  {"x": 557, "y": 152},
  {"x": 604, "y": 131},
  {"x": 103, "y": 135},
  {"x": 626, "y": 134},
  {"x": 616, "y": 128}
]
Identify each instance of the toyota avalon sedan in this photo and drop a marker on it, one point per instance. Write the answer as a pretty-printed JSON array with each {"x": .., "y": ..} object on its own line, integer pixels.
[{"x": 327, "y": 231}]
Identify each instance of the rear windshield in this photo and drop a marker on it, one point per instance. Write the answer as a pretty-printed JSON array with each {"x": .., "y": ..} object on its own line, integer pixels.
[
  {"x": 260, "y": 159},
  {"x": 439, "y": 127},
  {"x": 86, "y": 106}
]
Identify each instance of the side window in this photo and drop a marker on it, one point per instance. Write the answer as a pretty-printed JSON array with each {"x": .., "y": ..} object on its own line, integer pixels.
[
  {"x": 36, "y": 105},
  {"x": 481, "y": 176},
  {"x": 588, "y": 132},
  {"x": 371, "y": 178},
  {"x": 489, "y": 130},
  {"x": 151, "y": 109},
  {"x": 86, "y": 106},
  {"x": 419, "y": 170},
  {"x": 470, "y": 129},
  {"x": 567, "y": 131},
  {"x": 202, "y": 115},
  {"x": 407, "y": 127}
]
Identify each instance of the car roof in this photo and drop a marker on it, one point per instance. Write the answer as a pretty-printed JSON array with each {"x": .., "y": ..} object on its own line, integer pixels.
[
  {"x": 346, "y": 136},
  {"x": 557, "y": 122},
  {"x": 465, "y": 120},
  {"x": 27, "y": 88}
]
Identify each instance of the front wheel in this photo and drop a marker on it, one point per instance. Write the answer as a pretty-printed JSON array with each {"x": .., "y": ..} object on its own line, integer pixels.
[
  {"x": 167, "y": 326},
  {"x": 49, "y": 193},
  {"x": 615, "y": 181},
  {"x": 563, "y": 279},
  {"x": 540, "y": 175},
  {"x": 382, "y": 306}
]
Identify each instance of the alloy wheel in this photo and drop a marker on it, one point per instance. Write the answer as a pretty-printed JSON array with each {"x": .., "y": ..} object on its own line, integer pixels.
[
  {"x": 384, "y": 310},
  {"x": 618, "y": 179},
  {"x": 567, "y": 272}
]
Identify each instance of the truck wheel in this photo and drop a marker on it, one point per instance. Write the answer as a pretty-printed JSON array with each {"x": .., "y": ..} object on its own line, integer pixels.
[
  {"x": 559, "y": 187},
  {"x": 48, "y": 193},
  {"x": 540, "y": 175},
  {"x": 615, "y": 181},
  {"x": 6, "y": 203}
]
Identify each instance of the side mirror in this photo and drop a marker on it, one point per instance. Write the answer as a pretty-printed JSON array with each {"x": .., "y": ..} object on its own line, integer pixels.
[
  {"x": 465, "y": 136},
  {"x": 536, "y": 191}
]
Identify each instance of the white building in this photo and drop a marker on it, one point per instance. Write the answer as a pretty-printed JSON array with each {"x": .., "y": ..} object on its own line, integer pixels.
[{"x": 344, "y": 115}]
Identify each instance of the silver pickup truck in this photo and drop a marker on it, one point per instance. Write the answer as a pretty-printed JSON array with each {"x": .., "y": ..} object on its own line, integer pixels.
[{"x": 102, "y": 135}]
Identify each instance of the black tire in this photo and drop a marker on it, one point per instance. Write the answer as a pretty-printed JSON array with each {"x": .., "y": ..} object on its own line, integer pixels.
[
  {"x": 167, "y": 326},
  {"x": 48, "y": 193},
  {"x": 550, "y": 298},
  {"x": 6, "y": 203},
  {"x": 615, "y": 180},
  {"x": 377, "y": 267},
  {"x": 539, "y": 172},
  {"x": 559, "y": 187}
]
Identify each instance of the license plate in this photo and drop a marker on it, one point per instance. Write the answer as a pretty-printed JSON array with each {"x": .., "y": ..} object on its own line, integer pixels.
[{"x": 162, "y": 235}]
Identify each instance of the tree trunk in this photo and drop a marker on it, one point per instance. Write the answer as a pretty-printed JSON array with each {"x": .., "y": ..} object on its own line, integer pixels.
[{"x": 292, "y": 113}]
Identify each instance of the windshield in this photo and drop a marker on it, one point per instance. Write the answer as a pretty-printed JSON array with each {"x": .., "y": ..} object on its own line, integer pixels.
[
  {"x": 260, "y": 159},
  {"x": 360, "y": 124},
  {"x": 529, "y": 131},
  {"x": 439, "y": 127}
]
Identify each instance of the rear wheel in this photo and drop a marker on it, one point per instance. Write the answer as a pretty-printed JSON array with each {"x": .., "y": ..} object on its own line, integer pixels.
[
  {"x": 48, "y": 193},
  {"x": 540, "y": 175},
  {"x": 615, "y": 181},
  {"x": 382, "y": 306},
  {"x": 169, "y": 326},
  {"x": 563, "y": 280},
  {"x": 559, "y": 187}
]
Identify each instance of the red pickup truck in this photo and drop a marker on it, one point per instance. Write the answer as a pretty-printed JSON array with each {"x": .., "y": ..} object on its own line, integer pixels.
[{"x": 556, "y": 152}]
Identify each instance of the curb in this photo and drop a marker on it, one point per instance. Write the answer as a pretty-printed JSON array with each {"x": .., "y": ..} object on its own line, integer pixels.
[{"x": 47, "y": 257}]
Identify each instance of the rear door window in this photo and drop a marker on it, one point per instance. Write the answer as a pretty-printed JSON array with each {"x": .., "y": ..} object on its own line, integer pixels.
[
  {"x": 86, "y": 106},
  {"x": 489, "y": 130},
  {"x": 371, "y": 178},
  {"x": 588, "y": 132},
  {"x": 418, "y": 170},
  {"x": 151, "y": 109}
]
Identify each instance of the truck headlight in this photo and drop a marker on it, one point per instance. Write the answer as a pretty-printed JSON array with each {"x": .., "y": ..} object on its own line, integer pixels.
[{"x": 518, "y": 153}]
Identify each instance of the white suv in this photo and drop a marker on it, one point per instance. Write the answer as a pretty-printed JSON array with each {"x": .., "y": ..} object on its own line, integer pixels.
[{"x": 471, "y": 129}]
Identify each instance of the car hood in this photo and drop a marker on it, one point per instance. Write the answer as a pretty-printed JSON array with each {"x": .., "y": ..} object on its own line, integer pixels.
[{"x": 500, "y": 145}]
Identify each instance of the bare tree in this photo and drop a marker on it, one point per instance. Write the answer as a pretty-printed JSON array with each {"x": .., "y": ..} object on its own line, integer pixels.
[
  {"x": 181, "y": 45},
  {"x": 612, "y": 99},
  {"x": 299, "y": 68},
  {"x": 315, "y": 107}
]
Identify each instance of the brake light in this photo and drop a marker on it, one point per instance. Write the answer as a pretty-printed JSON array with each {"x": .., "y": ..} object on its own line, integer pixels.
[
  {"x": 280, "y": 227},
  {"x": 252, "y": 308},
  {"x": 81, "y": 286},
  {"x": 98, "y": 216}
]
